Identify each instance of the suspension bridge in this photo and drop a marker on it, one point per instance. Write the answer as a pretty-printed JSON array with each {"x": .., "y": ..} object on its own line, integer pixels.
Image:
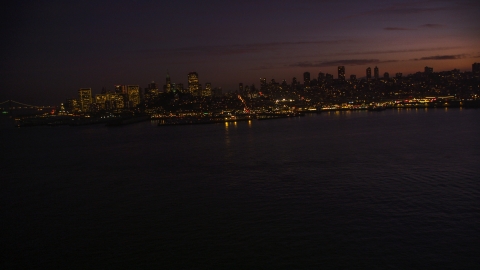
[{"x": 12, "y": 107}]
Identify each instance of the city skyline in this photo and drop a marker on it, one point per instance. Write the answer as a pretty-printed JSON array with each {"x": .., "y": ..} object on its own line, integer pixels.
[{"x": 55, "y": 48}]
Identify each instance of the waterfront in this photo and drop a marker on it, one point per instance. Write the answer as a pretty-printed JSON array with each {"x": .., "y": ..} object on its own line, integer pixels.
[{"x": 390, "y": 189}]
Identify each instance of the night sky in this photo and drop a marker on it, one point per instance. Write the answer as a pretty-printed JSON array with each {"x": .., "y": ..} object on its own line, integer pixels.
[{"x": 50, "y": 49}]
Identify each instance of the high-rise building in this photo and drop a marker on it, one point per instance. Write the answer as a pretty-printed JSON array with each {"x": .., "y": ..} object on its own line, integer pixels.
[
  {"x": 398, "y": 75},
  {"x": 376, "y": 74},
  {"x": 428, "y": 70},
  {"x": 353, "y": 77},
  {"x": 240, "y": 88},
  {"x": 369, "y": 73},
  {"x": 120, "y": 89},
  {"x": 306, "y": 79},
  {"x": 151, "y": 92},
  {"x": 193, "y": 83},
  {"x": 152, "y": 86},
  {"x": 341, "y": 73},
  {"x": 133, "y": 95},
  {"x": 100, "y": 101},
  {"x": 85, "y": 99},
  {"x": 321, "y": 76},
  {"x": 72, "y": 105},
  {"x": 168, "y": 84},
  {"x": 207, "y": 92},
  {"x": 263, "y": 84},
  {"x": 476, "y": 69},
  {"x": 115, "y": 102},
  {"x": 217, "y": 92},
  {"x": 386, "y": 75},
  {"x": 179, "y": 87}
]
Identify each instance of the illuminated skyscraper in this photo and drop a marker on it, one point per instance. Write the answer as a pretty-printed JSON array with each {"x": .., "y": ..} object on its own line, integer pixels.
[
  {"x": 100, "y": 101},
  {"x": 168, "y": 84},
  {"x": 207, "y": 92},
  {"x": 152, "y": 86},
  {"x": 85, "y": 99},
  {"x": 151, "y": 92},
  {"x": 376, "y": 73},
  {"x": 306, "y": 79},
  {"x": 263, "y": 84},
  {"x": 369, "y": 73},
  {"x": 341, "y": 73},
  {"x": 120, "y": 89},
  {"x": 179, "y": 87},
  {"x": 193, "y": 83},
  {"x": 133, "y": 95},
  {"x": 72, "y": 105}
]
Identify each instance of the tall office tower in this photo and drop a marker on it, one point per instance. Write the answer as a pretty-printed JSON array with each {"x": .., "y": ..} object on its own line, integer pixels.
[
  {"x": 386, "y": 75},
  {"x": 369, "y": 73},
  {"x": 152, "y": 86},
  {"x": 168, "y": 84},
  {"x": 398, "y": 75},
  {"x": 341, "y": 73},
  {"x": 321, "y": 76},
  {"x": 133, "y": 95},
  {"x": 179, "y": 88},
  {"x": 353, "y": 77},
  {"x": 120, "y": 89},
  {"x": 217, "y": 92},
  {"x": 240, "y": 88},
  {"x": 294, "y": 81},
  {"x": 476, "y": 69},
  {"x": 100, "y": 101},
  {"x": 199, "y": 92},
  {"x": 263, "y": 84},
  {"x": 376, "y": 73},
  {"x": 207, "y": 92},
  {"x": 116, "y": 102},
  {"x": 85, "y": 99},
  {"x": 104, "y": 90},
  {"x": 329, "y": 77},
  {"x": 306, "y": 79},
  {"x": 193, "y": 83},
  {"x": 428, "y": 70},
  {"x": 151, "y": 92},
  {"x": 72, "y": 105}
]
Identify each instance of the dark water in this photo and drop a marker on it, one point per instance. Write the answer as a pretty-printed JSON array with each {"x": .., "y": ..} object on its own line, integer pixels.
[{"x": 351, "y": 190}]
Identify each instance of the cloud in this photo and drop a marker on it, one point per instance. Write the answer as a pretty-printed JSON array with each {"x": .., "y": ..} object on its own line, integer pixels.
[
  {"x": 397, "y": 29},
  {"x": 237, "y": 49},
  {"x": 432, "y": 25},
  {"x": 428, "y": 25},
  {"x": 399, "y": 51},
  {"x": 441, "y": 57},
  {"x": 401, "y": 9},
  {"x": 347, "y": 62}
]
